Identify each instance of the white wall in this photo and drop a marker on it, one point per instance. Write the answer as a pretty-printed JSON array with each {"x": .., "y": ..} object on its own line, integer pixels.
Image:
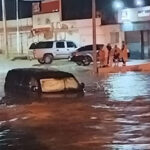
[
  {"x": 105, "y": 32},
  {"x": 25, "y": 39},
  {"x": 45, "y": 19},
  {"x": 24, "y": 44},
  {"x": 79, "y": 31},
  {"x": 13, "y": 23}
]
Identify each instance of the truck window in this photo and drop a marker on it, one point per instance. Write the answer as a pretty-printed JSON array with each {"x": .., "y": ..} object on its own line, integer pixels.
[
  {"x": 41, "y": 45},
  {"x": 60, "y": 45}
]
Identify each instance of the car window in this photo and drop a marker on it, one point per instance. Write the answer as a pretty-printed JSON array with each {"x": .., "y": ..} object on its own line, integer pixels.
[
  {"x": 71, "y": 83},
  {"x": 44, "y": 45},
  {"x": 89, "y": 47},
  {"x": 60, "y": 45},
  {"x": 58, "y": 85},
  {"x": 81, "y": 49},
  {"x": 71, "y": 45},
  {"x": 50, "y": 44},
  {"x": 52, "y": 85},
  {"x": 85, "y": 48}
]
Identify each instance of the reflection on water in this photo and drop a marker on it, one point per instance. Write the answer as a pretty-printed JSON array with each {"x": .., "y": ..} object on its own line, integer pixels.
[
  {"x": 120, "y": 87},
  {"x": 129, "y": 147},
  {"x": 16, "y": 139},
  {"x": 114, "y": 114},
  {"x": 127, "y": 86}
]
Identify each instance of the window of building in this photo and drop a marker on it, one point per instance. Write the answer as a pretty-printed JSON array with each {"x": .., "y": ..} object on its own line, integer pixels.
[{"x": 114, "y": 37}]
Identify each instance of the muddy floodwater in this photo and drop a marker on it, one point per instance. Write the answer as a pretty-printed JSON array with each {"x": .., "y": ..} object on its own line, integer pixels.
[{"x": 114, "y": 114}]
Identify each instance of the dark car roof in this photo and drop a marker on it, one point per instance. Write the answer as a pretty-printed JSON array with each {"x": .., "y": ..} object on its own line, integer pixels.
[
  {"x": 89, "y": 47},
  {"x": 39, "y": 73}
]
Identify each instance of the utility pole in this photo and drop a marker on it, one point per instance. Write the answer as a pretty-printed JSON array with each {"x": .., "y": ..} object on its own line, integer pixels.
[
  {"x": 5, "y": 29},
  {"x": 17, "y": 20},
  {"x": 94, "y": 37},
  {"x": 60, "y": 9}
]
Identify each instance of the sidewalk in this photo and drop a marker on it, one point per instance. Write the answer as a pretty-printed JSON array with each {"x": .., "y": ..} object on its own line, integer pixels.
[
  {"x": 132, "y": 65},
  {"x": 7, "y": 63}
]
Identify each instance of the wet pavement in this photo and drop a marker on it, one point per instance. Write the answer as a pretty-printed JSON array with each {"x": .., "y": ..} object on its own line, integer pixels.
[{"x": 114, "y": 114}]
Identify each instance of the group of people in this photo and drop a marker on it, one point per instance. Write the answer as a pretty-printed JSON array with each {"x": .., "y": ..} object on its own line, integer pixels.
[{"x": 109, "y": 56}]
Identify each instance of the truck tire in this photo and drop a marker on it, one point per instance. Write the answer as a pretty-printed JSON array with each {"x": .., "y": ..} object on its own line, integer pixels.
[
  {"x": 41, "y": 61},
  {"x": 48, "y": 58}
]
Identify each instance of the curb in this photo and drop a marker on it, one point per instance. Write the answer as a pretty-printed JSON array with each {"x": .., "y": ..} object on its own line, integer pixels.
[{"x": 134, "y": 68}]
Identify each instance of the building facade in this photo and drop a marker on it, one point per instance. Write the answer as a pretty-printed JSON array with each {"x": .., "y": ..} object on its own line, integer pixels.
[
  {"x": 25, "y": 37},
  {"x": 135, "y": 23},
  {"x": 46, "y": 24}
]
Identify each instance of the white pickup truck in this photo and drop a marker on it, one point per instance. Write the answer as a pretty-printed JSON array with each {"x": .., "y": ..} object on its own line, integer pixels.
[{"x": 46, "y": 51}]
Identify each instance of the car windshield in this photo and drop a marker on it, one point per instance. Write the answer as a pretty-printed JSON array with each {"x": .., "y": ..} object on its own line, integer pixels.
[{"x": 58, "y": 85}]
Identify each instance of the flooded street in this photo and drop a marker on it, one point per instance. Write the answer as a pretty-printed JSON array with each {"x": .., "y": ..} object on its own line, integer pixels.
[{"x": 114, "y": 114}]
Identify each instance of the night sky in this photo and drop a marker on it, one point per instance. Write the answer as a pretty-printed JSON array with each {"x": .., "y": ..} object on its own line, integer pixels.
[
  {"x": 72, "y": 9},
  {"x": 25, "y": 9}
]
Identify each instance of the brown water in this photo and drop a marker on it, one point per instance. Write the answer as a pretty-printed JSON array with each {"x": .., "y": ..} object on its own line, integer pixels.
[{"x": 114, "y": 114}]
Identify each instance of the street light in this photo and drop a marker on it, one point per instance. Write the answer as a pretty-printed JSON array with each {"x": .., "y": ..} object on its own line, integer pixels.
[
  {"x": 139, "y": 2},
  {"x": 118, "y": 4}
]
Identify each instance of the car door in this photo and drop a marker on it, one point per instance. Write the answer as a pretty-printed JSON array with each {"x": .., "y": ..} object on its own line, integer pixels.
[
  {"x": 61, "y": 50},
  {"x": 71, "y": 47}
]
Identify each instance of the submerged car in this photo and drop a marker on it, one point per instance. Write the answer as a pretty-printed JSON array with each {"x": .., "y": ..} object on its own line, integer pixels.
[
  {"x": 38, "y": 80},
  {"x": 84, "y": 55}
]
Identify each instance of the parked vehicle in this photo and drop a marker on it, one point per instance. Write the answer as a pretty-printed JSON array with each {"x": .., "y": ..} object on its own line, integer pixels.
[
  {"x": 84, "y": 55},
  {"x": 36, "y": 80},
  {"x": 46, "y": 51}
]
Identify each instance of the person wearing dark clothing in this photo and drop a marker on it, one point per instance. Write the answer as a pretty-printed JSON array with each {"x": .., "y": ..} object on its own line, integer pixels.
[{"x": 109, "y": 51}]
